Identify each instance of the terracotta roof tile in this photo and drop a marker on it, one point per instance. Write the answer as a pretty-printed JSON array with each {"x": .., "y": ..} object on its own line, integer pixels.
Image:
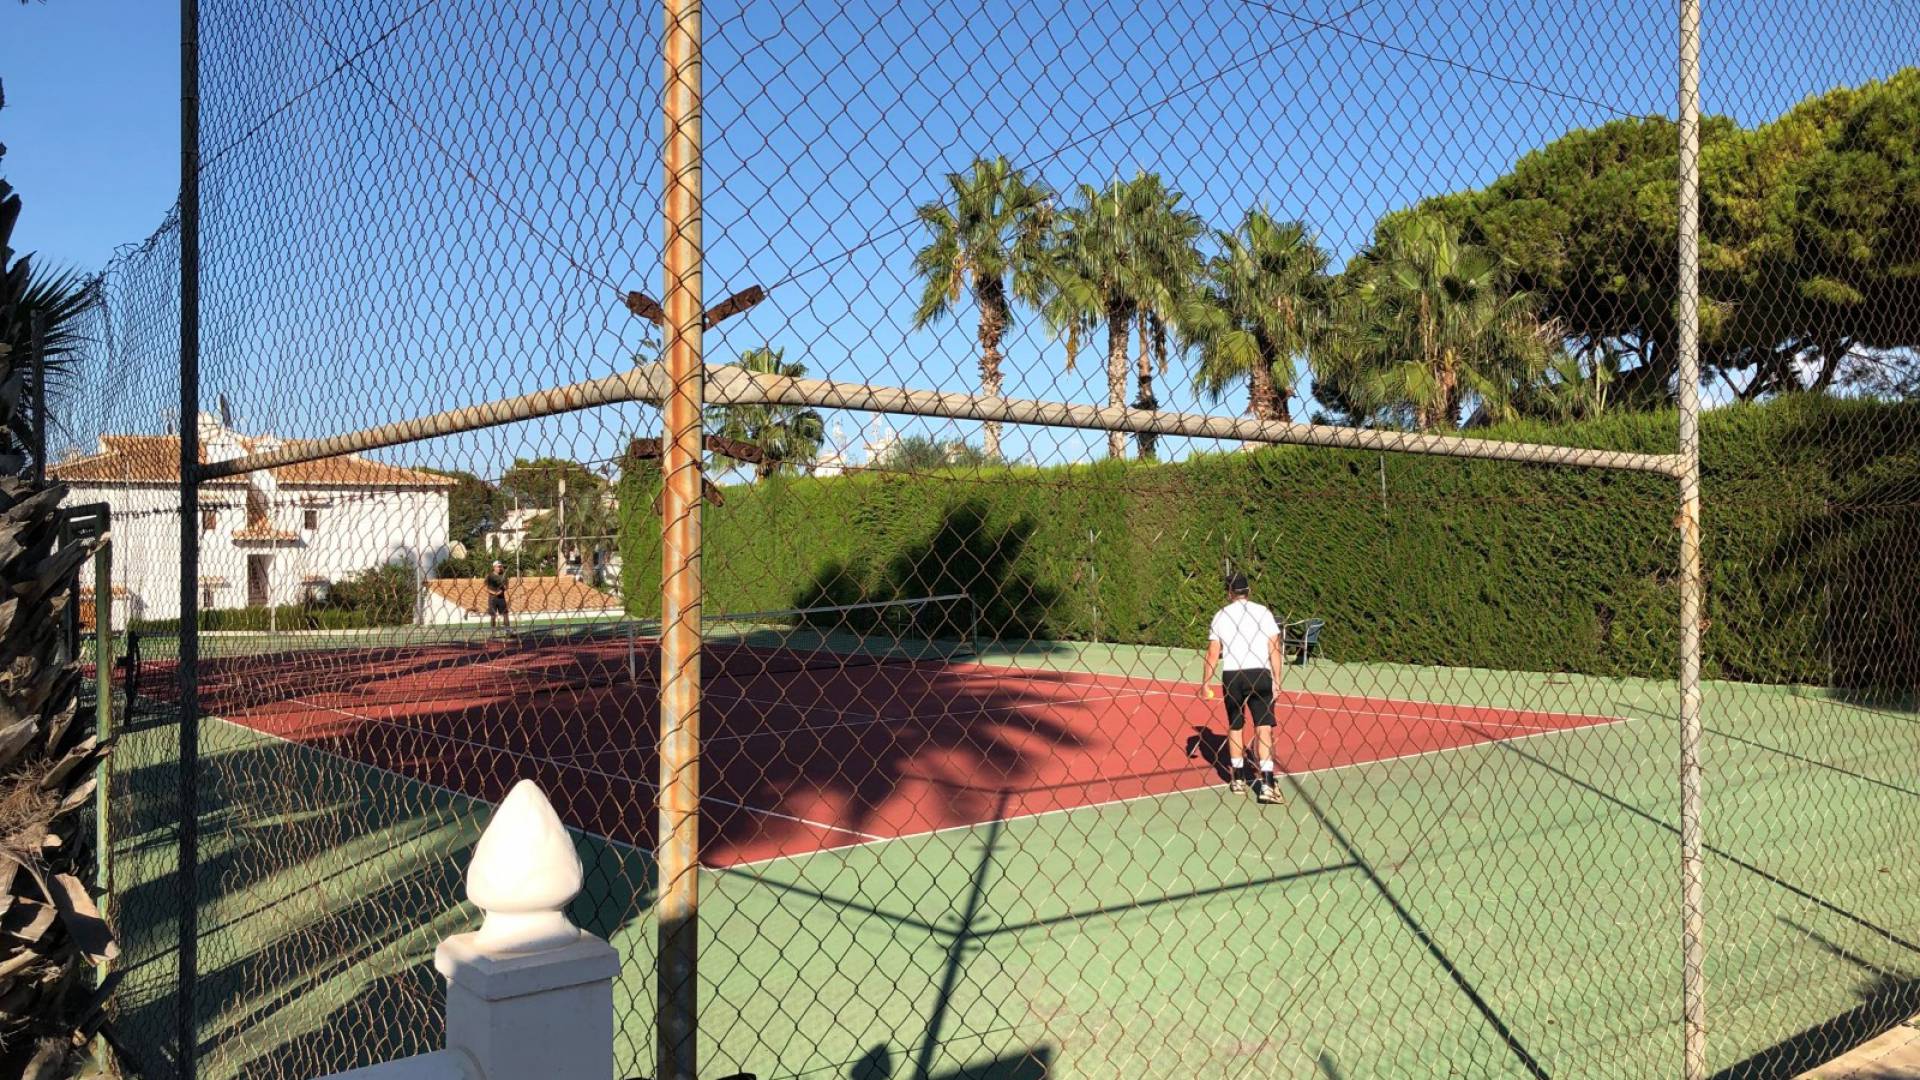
[
  {"x": 155, "y": 459},
  {"x": 355, "y": 471},
  {"x": 265, "y": 532},
  {"x": 526, "y": 595}
]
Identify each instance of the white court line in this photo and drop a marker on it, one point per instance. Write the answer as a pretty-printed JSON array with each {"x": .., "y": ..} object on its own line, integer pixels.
[
  {"x": 1325, "y": 769},
  {"x": 580, "y": 769},
  {"x": 978, "y": 669},
  {"x": 864, "y": 719},
  {"x": 994, "y": 673}
]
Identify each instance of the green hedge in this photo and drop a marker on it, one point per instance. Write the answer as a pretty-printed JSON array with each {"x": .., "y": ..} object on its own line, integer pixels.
[
  {"x": 379, "y": 596},
  {"x": 1810, "y": 547},
  {"x": 287, "y": 617}
]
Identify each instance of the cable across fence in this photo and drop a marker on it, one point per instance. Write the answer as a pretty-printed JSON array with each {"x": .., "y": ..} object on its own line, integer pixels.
[{"x": 1026, "y": 540}]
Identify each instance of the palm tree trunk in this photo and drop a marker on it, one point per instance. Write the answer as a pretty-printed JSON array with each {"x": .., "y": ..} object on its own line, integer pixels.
[
  {"x": 1119, "y": 321},
  {"x": 991, "y": 295},
  {"x": 1265, "y": 399},
  {"x": 1144, "y": 399}
]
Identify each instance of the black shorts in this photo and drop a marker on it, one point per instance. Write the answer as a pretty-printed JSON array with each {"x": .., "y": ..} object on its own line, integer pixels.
[
  {"x": 1248, "y": 690},
  {"x": 496, "y": 605}
]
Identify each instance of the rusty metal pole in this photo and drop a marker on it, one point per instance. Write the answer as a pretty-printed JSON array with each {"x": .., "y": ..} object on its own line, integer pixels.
[
  {"x": 677, "y": 980},
  {"x": 1692, "y": 888}
]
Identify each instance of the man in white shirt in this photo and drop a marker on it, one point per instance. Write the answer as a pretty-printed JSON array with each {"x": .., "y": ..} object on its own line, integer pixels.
[{"x": 1244, "y": 643}]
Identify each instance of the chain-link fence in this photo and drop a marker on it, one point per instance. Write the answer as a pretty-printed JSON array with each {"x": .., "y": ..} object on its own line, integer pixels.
[{"x": 817, "y": 443}]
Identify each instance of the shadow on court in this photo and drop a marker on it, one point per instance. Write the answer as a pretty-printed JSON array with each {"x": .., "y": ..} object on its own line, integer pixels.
[
  {"x": 1035, "y": 1064},
  {"x": 1522, "y": 1056},
  {"x": 323, "y": 890},
  {"x": 1887, "y": 998},
  {"x": 1889, "y": 995}
]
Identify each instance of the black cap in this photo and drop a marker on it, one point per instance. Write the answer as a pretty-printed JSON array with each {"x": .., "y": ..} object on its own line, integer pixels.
[{"x": 1236, "y": 582}]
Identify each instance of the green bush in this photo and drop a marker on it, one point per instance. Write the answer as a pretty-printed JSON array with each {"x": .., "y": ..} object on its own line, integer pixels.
[
  {"x": 386, "y": 595},
  {"x": 286, "y": 617},
  {"x": 382, "y": 596},
  {"x": 1809, "y": 546}
]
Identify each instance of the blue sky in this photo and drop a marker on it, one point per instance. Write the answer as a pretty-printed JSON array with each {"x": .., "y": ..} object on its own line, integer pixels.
[{"x": 452, "y": 216}]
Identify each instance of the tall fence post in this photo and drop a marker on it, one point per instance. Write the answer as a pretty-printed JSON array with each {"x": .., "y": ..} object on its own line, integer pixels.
[
  {"x": 1692, "y": 888},
  {"x": 103, "y": 718},
  {"x": 186, "y": 885},
  {"x": 677, "y": 982}
]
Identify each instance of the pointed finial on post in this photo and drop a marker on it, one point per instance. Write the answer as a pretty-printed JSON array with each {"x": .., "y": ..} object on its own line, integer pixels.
[{"x": 524, "y": 873}]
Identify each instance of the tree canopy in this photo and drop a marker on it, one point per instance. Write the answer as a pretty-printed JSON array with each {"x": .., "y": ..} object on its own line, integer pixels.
[{"x": 1810, "y": 242}]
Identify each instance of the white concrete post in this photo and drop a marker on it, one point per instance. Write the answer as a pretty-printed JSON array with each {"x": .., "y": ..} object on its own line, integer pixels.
[{"x": 529, "y": 994}]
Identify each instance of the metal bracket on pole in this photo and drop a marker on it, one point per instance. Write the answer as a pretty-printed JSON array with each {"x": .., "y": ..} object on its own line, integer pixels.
[
  {"x": 646, "y": 307},
  {"x": 83, "y": 524}
]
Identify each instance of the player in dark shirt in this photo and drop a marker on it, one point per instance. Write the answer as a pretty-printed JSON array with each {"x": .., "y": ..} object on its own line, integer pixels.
[{"x": 496, "y": 584}]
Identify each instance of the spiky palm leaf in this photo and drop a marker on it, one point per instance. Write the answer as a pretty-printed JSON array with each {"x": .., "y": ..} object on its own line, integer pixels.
[
  {"x": 51, "y": 933},
  {"x": 1432, "y": 324},
  {"x": 789, "y": 436}
]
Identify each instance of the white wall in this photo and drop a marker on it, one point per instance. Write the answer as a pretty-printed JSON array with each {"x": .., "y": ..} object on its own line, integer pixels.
[
  {"x": 358, "y": 529},
  {"x": 440, "y": 611}
]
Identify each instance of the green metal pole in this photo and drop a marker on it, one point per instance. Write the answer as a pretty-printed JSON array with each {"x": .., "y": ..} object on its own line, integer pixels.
[{"x": 103, "y": 716}]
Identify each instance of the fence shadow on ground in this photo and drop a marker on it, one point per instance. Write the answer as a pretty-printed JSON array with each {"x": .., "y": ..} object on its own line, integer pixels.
[
  {"x": 324, "y": 890},
  {"x": 1035, "y": 1064},
  {"x": 1888, "y": 998},
  {"x": 1455, "y": 973}
]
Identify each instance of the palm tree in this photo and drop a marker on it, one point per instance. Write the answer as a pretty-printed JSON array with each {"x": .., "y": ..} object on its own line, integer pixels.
[
  {"x": 1126, "y": 259},
  {"x": 1572, "y": 386},
  {"x": 1266, "y": 294},
  {"x": 789, "y": 436},
  {"x": 1430, "y": 323},
  {"x": 990, "y": 242},
  {"x": 48, "y": 750}
]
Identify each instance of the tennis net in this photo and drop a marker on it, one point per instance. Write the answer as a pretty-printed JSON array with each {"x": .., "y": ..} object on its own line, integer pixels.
[
  {"x": 250, "y": 669},
  {"x": 919, "y": 630}
]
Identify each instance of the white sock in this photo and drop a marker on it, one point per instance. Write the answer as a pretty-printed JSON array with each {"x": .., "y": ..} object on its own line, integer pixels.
[
  {"x": 1266, "y": 766},
  {"x": 1239, "y": 763}
]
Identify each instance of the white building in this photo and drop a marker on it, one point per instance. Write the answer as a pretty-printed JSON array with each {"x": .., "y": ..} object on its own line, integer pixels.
[
  {"x": 511, "y": 534},
  {"x": 881, "y": 439},
  {"x": 834, "y": 460},
  {"x": 266, "y": 538}
]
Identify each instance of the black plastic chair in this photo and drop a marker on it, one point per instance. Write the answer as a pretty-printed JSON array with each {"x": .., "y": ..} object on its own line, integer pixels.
[{"x": 1303, "y": 638}]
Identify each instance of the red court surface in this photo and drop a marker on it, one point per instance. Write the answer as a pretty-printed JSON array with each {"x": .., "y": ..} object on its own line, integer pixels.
[{"x": 799, "y": 762}]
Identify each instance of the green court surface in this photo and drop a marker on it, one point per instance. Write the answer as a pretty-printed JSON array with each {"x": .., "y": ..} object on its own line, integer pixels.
[{"x": 1503, "y": 909}]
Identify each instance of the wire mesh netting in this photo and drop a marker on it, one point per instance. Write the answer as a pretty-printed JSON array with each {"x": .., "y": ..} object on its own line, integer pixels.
[{"x": 970, "y": 802}]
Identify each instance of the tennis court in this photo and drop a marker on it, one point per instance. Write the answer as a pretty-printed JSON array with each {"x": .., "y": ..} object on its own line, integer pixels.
[
  {"x": 805, "y": 746},
  {"x": 1102, "y": 904}
]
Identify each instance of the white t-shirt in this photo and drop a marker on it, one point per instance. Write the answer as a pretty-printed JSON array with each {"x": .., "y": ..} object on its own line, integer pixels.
[{"x": 1243, "y": 629}]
